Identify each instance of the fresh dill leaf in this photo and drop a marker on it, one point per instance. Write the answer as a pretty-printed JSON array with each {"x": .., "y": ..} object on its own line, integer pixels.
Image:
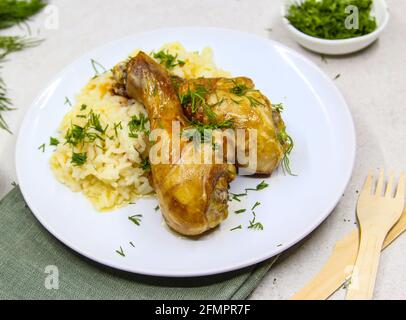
[
  {"x": 97, "y": 66},
  {"x": 204, "y": 131},
  {"x": 337, "y": 76},
  {"x": 14, "y": 184},
  {"x": 288, "y": 144},
  {"x": 255, "y": 205},
  {"x": 145, "y": 164},
  {"x": 94, "y": 122},
  {"x": 79, "y": 159},
  {"x": 136, "y": 219},
  {"x": 132, "y": 244},
  {"x": 254, "y": 224},
  {"x": 137, "y": 124},
  {"x": 236, "y": 228},
  {"x": 53, "y": 141},
  {"x": 278, "y": 107},
  {"x": 14, "y": 12},
  {"x": 9, "y": 44},
  {"x": 156, "y": 208},
  {"x": 82, "y": 107},
  {"x": 239, "y": 89},
  {"x": 259, "y": 187},
  {"x": 67, "y": 102},
  {"x": 42, "y": 147},
  {"x": 240, "y": 211},
  {"x": 168, "y": 60},
  {"x": 121, "y": 252},
  {"x": 117, "y": 126}
]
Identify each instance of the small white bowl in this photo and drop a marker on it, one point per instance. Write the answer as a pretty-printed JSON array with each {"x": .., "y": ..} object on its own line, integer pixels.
[{"x": 337, "y": 47}]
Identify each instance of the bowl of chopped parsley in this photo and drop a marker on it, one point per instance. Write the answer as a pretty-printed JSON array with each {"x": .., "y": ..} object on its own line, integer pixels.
[{"x": 335, "y": 26}]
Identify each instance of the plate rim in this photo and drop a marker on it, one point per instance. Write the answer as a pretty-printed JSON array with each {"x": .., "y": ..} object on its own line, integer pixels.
[{"x": 217, "y": 270}]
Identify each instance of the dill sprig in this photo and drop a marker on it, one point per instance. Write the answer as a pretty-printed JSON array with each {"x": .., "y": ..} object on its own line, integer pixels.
[
  {"x": 14, "y": 12},
  {"x": 7, "y": 46}
]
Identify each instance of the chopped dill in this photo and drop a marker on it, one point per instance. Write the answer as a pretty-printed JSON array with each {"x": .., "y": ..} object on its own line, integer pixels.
[
  {"x": 121, "y": 252},
  {"x": 254, "y": 224},
  {"x": 260, "y": 186},
  {"x": 96, "y": 67},
  {"x": 337, "y": 76},
  {"x": 255, "y": 205},
  {"x": 156, "y": 208},
  {"x": 42, "y": 147},
  {"x": 279, "y": 107},
  {"x": 132, "y": 244},
  {"x": 137, "y": 124},
  {"x": 240, "y": 211},
  {"x": 145, "y": 164},
  {"x": 288, "y": 144},
  {"x": 53, "y": 141},
  {"x": 83, "y": 107},
  {"x": 78, "y": 159},
  {"x": 236, "y": 228},
  {"x": 168, "y": 60},
  {"x": 136, "y": 219},
  {"x": 67, "y": 102},
  {"x": 116, "y": 127}
]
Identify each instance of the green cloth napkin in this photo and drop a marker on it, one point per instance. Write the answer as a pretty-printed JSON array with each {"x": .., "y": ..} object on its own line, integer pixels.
[{"x": 26, "y": 249}]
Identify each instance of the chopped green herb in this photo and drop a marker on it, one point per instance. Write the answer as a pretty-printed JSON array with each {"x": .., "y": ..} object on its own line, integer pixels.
[
  {"x": 326, "y": 19},
  {"x": 67, "y": 102},
  {"x": 53, "y": 141},
  {"x": 156, "y": 208},
  {"x": 132, "y": 244},
  {"x": 14, "y": 184},
  {"x": 83, "y": 107},
  {"x": 136, "y": 219},
  {"x": 278, "y": 107},
  {"x": 240, "y": 211},
  {"x": 255, "y": 225},
  {"x": 96, "y": 66},
  {"x": 236, "y": 228},
  {"x": 94, "y": 122},
  {"x": 42, "y": 147},
  {"x": 116, "y": 127},
  {"x": 259, "y": 187},
  {"x": 121, "y": 252},
  {"x": 337, "y": 76},
  {"x": 137, "y": 124},
  {"x": 79, "y": 159},
  {"x": 288, "y": 144},
  {"x": 168, "y": 60},
  {"x": 255, "y": 205},
  {"x": 145, "y": 164}
]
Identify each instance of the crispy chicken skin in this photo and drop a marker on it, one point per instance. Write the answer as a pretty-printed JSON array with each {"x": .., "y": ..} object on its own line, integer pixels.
[
  {"x": 193, "y": 197},
  {"x": 248, "y": 108}
]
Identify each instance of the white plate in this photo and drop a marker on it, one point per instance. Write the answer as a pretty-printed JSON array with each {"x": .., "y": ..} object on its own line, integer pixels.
[{"x": 316, "y": 115}]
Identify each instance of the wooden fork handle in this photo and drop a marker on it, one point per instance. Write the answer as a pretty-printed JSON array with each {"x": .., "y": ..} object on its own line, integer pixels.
[{"x": 366, "y": 266}]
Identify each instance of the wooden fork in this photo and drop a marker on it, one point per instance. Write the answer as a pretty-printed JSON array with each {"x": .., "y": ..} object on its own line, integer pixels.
[{"x": 377, "y": 214}]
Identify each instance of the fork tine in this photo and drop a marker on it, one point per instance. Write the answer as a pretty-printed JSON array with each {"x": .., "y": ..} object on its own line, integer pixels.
[
  {"x": 400, "y": 192},
  {"x": 368, "y": 183},
  {"x": 388, "y": 192},
  {"x": 379, "y": 186}
]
